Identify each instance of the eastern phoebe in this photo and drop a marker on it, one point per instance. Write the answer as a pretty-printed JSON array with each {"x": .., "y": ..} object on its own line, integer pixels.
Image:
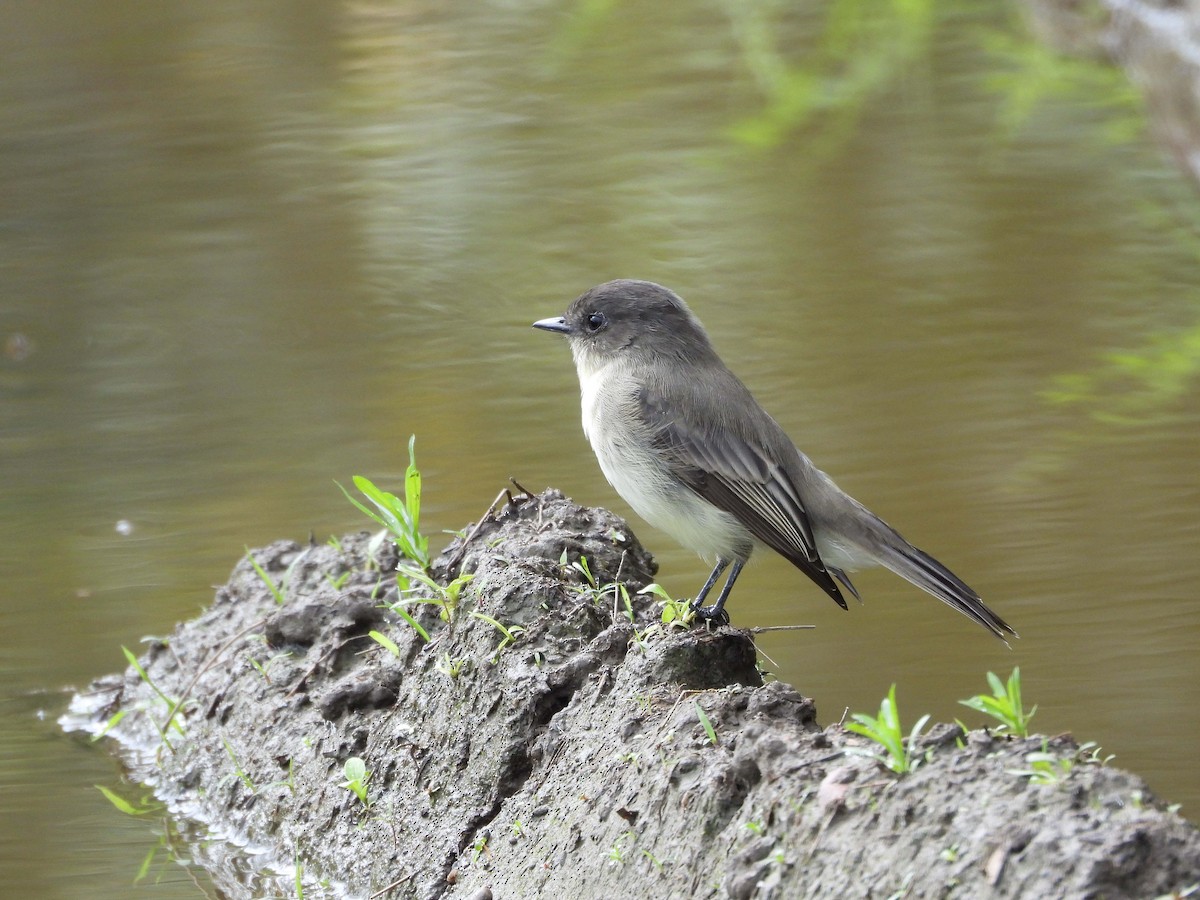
[{"x": 687, "y": 446}]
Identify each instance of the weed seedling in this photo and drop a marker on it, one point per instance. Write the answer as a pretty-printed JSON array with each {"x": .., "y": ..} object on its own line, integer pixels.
[
  {"x": 884, "y": 730},
  {"x": 674, "y": 612},
  {"x": 511, "y": 632},
  {"x": 707, "y": 723},
  {"x": 141, "y": 808},
  {"x": 480, "y": 847},
  {"x": 238, "y": 772},
  {"x": 386, "y": 642},
  {"x": 275, "y": 589},
  {"x": 445, "y": 596},
  {"x": 357, "y": 777},
  {"x": 1047, "y": 768},
  {"x": 173, "y": 720},
  {"x": 451, "y": 666},
  {"x": 399, "y": 518},
  {"x": 653, "y": 859},
  {"x": 1005, "y": 704}
]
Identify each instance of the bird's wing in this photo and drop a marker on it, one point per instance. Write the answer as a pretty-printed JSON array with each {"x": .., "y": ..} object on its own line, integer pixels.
[{"x": 738, "y": 476}]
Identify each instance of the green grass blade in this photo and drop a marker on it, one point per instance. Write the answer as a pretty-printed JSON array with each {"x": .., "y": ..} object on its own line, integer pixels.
[
  {"x": 707, "y": 723},
  {"x": 402, "y": 613},
  {"x": 121, "y": 803},
  {"x": 267, "y": 580},
  {"x": 385, "y": 642}
]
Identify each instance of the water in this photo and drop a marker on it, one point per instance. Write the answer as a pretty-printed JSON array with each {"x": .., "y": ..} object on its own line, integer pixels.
[{"x": 245, "y": 251}]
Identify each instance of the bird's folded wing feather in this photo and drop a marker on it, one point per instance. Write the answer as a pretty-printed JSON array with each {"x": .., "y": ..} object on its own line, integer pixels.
[{"x": 737, "y": 476}]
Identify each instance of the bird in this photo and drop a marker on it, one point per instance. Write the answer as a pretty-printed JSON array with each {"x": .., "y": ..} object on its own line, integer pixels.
[{"x": 685, "y": 443}]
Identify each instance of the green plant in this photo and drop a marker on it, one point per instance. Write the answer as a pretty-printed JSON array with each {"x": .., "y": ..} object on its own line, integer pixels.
[
  {"x": 677, "y": 612},
  {"x": 338, "y": 583},
  {"x": 884, "y": 730},
  {"x": 616, "y": 852},
  {"x": 593, "y": 587},
  {"x": 480, "y": 847},
  {"x": 653, "y": 859},
  {"x": 1048, "y": 768},
  {"x": 400, "y": 518},
  {"x": 510, "y": 633},
  {"x": 707, "y": 723},
  {"x": 357, "y": 777},
  {"x": 275, "y": 589},
  {"x": 264, "y": 668},
  {"x": 444, "y": 596},
  {"x": 238, "y": 772},
  {"x": 450, "y": 665},
  {"x": 141, "y": 808},
  {"x": 386, "y": 642},
  {"x": 173, "y": 720},
  {"x": 1005, "y": 704}
]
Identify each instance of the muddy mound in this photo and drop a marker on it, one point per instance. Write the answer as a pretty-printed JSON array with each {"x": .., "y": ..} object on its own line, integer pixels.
[{"x": 538, "y": 732}]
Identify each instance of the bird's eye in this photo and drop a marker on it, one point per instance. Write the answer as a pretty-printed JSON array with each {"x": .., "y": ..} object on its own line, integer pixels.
[{"x": 595, "y": 321}]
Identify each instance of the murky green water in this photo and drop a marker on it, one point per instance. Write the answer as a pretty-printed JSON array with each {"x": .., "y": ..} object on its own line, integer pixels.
[{"x": 248, "y": 249}]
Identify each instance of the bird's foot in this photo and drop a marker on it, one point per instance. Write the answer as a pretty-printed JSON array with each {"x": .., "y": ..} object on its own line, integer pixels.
[{"x": 714, "y": 613}]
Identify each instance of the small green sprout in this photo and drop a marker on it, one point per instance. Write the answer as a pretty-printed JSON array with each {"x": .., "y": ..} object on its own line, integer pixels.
[
  {"x": 451, "y": 666},
  {"x": 141, "y": 808},
  {"x": 707, "y": 723},
  {"x": 481, "y": 847},
  {"x": 173, "y": 720},
  {"x": 674, "y": 612},
  {"x": 275, "y": 589},
  {"x": 444, "y": 596},
  {"x": 338, "y": 583},
  {"x": 357, "y": 777},
  {"x": 1005, "y": 704},
  {"x": 616, "y": 852},
  {"x": 1047, "y": 768},
  {"x": 400, "y": 518},
  {"x": 581, "y": 566},
  {"x": 884, "y": 730},
  {"x": 653, "y": 859},
  {"x": 264, "y": 668},
  {"x": 238, "y": 771},
  {"x": 511, "y": 632},
  {"x": 386, "y": 642},
  {"x": 398, "y": 609}
]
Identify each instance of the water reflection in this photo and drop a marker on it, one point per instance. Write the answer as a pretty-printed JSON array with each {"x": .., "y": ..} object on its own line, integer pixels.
[{"x": 245, "y": 252}]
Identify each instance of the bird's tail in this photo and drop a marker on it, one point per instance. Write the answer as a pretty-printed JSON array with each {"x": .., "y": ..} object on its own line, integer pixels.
[{"x": 921, "y": 569}]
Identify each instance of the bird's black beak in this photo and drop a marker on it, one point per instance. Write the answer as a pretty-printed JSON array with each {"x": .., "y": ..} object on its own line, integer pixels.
[{"x": 558, "y": 323}]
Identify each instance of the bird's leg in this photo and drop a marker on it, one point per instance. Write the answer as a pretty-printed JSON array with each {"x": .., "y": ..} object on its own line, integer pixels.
[
  {"x": 717, "y": 610},
  {"x": 720, "y": 567}
]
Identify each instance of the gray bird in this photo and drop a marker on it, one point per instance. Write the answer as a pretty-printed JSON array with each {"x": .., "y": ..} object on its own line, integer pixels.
[{"x": 688, "y": 447}]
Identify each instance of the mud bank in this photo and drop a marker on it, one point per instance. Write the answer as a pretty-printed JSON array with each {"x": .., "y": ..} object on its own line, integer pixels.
[{"x": 572, "y": 760}]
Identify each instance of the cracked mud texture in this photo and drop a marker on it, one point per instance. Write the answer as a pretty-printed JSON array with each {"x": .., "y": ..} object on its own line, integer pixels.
[{"x": 573, "y": 761}]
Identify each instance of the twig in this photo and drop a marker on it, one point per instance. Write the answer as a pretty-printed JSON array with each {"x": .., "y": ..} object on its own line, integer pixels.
[
  {"x": 394, "y": 884},
  {"x": 212, "y": 660}
]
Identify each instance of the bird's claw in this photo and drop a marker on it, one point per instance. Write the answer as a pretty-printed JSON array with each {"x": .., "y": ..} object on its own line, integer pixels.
[{"x": 712, "y": 613}]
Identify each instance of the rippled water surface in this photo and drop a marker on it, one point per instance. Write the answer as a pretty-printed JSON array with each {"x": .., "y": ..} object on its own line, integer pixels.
[{"x": 247, "y": 249}]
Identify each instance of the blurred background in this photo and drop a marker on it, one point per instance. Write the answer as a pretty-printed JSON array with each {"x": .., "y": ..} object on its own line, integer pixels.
[{"x": 248, "y": 249}]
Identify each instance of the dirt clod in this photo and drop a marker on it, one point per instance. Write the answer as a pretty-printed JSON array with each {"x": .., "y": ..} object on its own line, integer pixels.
[{"x": 568, "y": 757}]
